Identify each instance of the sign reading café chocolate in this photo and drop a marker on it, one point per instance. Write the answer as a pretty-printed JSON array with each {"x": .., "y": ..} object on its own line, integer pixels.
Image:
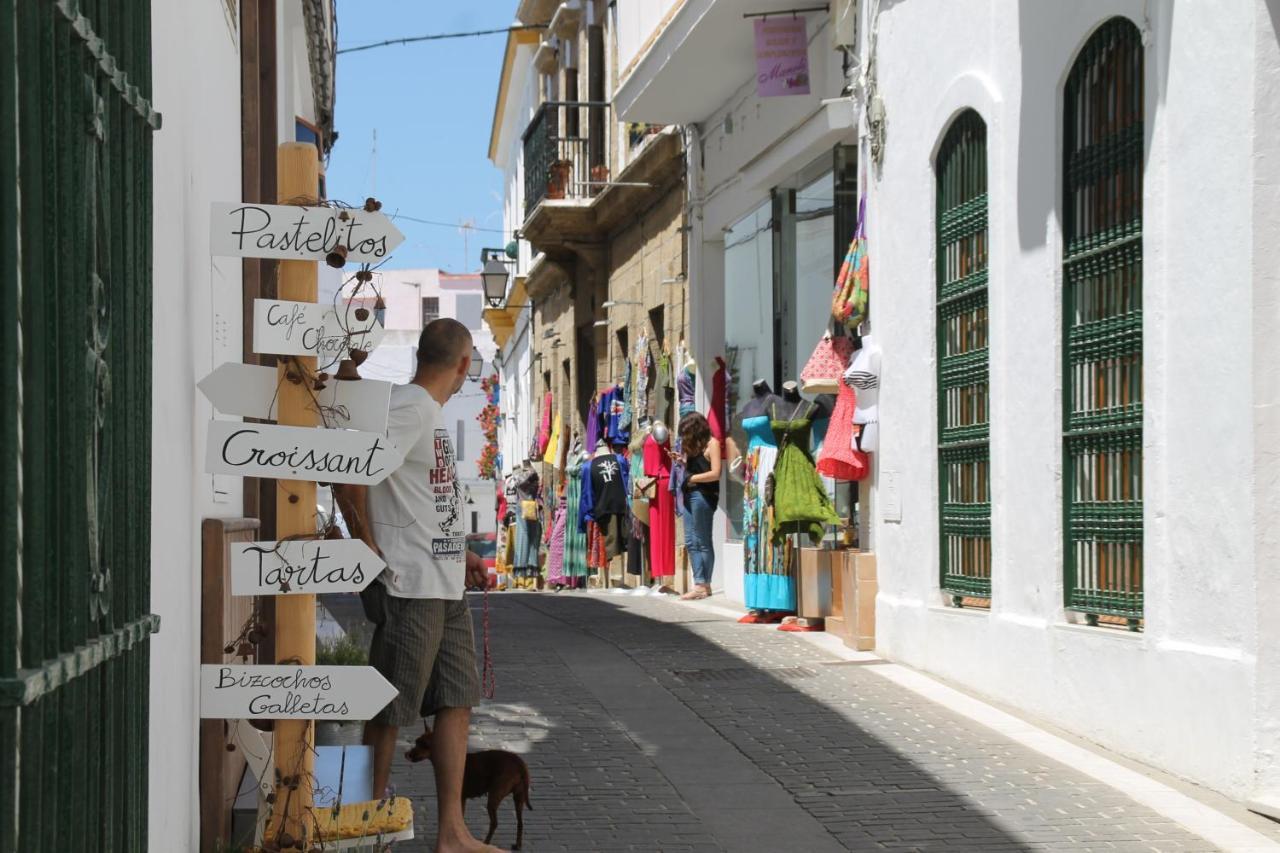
[
  {"x": 281, "y": 327},
  {"x": 299, "y": 453},
  {"x": 300, "y": 233},
  {"x": 286, "y": 692},
  {"x": 302, "y": 566}
]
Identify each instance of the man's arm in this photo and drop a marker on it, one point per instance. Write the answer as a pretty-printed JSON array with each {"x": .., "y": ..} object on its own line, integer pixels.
[{"x": 353, "y": 500}]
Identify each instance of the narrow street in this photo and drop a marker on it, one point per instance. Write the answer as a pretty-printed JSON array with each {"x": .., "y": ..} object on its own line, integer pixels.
[{"x": 650, "y": 725}]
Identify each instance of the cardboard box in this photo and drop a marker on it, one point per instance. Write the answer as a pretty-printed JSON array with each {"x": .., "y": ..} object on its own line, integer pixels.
[
  {"x": 813, "y": 583},
  {"x": 858, "y": 589}
]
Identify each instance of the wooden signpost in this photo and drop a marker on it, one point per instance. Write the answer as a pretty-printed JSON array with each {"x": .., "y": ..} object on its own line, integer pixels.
[
  {"x": 249, "y": 391},
  {"x": 302, "y": 566},
  {"x": 287, "y": 692},
  {"x": 294, "y": 232},
  {"x": 302, "y": 328},
  {"x": 315, "y": 455}
]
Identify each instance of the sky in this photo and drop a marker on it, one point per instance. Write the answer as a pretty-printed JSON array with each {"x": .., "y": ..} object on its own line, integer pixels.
[{"x": 432, "y": 106}]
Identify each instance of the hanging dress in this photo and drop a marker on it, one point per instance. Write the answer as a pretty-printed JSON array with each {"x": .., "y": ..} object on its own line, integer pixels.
[
  {"x": 555, "y": 553},
  {"x": 840, "y": 458},
  {"x": 544, "y": 429},
  {"x": 716, "y": 418},
  {"x": 552, "y": 456},
  {"x": 662, "y": 512},
  {"x": 767, "y": 584},
  {"x": 686, "y": 383},
  {"x": 575, "y": 540},
  {"x": 800, "y": 501}
]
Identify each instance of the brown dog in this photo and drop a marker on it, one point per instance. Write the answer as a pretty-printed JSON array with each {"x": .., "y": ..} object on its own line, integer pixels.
[{"x": 495, "y": 773}]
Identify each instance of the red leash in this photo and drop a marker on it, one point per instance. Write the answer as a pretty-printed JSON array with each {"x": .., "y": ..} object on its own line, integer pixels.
[{"x": 489, "y": 679}]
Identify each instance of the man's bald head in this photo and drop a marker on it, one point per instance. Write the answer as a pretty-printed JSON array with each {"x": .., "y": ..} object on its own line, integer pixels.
[{"x": 442, "y": 345}]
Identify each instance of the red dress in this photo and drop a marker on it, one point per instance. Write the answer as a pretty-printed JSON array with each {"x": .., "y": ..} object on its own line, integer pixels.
[
  {"x": 716, "y": 418},
  {"x": 839, "y": 459},
  {"x": 662, "y": 511}
]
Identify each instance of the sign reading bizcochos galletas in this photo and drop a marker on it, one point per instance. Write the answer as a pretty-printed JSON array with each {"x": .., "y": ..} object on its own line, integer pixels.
[
  {"x": 281, "y": 327},
  {"x": 299, "y": 453},
  {"x": 284, "y": 692},
  {"x": 302, "y": 567},
  {"x": 243, "y": 230}
]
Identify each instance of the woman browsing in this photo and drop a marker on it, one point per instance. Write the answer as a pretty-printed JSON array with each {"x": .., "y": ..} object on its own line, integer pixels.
[{"x": 701, "y": 496}]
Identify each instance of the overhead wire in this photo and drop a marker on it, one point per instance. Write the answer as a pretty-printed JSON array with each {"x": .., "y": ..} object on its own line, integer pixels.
[{"x": 438, "y": 37}]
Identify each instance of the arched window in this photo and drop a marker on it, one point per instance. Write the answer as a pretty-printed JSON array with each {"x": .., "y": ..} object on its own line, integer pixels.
[
  {"x": 964, "y": 398},
  {"x": 1102, "y": 325}
]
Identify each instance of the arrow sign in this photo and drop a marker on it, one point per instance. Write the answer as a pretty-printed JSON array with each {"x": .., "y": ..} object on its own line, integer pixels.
[
  {"x": 304, "y": 328},
  {"x": 299, "y": 453},
  {"x": 249, "y": 391},
  {"x": 234, "y": 692},
  {"x": 302, "y": 566},
  {"x": 300, "y": 233}
]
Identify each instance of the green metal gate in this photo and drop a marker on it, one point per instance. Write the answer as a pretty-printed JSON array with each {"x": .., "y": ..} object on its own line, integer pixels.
[
  {"x": 1102, "y": 325},
  {"x": 75, "y": 420},
  {"x": 964, "y": 392}
]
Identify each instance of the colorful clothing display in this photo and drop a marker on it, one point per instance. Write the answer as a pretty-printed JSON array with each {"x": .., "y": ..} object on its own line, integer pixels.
[
  {"x": 643, "y": 381},
  {"x": 664, "y": 391},
  {"x": 552, "y": 455},
  {"x": 575, "y": 539},
  {"x": 662, "y": 517},
  {"x": 525, "y": 563},
  {"x": 611, "y": 408},
  {"x": 544, "y": 429},
  {"x": 800, "y": 500},
  {"x": 767, "y": 582}
]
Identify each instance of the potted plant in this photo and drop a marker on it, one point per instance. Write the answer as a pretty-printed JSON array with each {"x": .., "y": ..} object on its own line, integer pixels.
[
  {"x": 340, "y": 651},
  {"x": 558, "y": 180}
]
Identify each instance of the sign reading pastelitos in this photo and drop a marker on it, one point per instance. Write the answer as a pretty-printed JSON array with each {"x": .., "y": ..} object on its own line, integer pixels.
[
  {"x": 286, "y": 692},
  {"x": 299, "y": 453},
  {"x": 302, "y": 566},
  {"x": 281, "y": 327},
  {"x": 289, "y": 231},
  {"x": 250, "y": 391}
]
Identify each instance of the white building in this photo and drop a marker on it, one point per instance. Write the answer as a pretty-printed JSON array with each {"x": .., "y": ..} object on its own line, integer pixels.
[
  {"x": 198, "y": 54},
  {"x": 414, "y": 298},
  {"x": 1168, "y": 489}
]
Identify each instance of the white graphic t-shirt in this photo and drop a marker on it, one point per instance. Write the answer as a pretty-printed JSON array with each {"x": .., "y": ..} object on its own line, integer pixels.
[{"x": 417, "y": 509}]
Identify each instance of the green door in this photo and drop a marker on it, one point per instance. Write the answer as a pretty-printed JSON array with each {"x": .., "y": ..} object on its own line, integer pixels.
[{"x": 75, "y": 420}]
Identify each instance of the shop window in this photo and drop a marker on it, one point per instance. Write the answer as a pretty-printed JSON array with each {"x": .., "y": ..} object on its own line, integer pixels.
[
  {"x": 1103, "y": 116},
  {"x": 964, "y": 395}
]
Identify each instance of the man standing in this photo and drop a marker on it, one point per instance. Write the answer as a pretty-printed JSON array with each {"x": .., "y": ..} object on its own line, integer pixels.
[{"x": 423, "y": 641}]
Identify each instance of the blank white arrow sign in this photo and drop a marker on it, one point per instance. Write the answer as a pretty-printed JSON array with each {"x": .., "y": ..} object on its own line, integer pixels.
[
  {"x": 283, "y": 692},
  {"x": 299, "y": 453},
  {"x": 300, "y": 233},
  {"x": 249, "y": 391},
  {"x": 281, "y": 327},
  {"x": 302, "y": 566}
]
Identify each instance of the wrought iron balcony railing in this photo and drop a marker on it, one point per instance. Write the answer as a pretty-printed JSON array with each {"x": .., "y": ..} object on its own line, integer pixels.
[{"x": 566, "y": 151}]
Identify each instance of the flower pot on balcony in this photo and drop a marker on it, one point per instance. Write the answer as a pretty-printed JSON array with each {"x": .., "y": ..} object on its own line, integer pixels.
[
  {"x": 558, "y": 178},
  {"x": 599, "y": 177}
]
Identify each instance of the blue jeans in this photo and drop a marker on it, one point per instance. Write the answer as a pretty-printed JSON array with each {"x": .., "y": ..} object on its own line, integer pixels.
[{"x": 698, "y": 514}]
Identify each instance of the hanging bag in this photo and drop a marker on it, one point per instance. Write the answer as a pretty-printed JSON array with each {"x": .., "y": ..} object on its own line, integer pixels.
[
  {"x": 830, "y": 359},
  {"x": 853, "y": 285}
]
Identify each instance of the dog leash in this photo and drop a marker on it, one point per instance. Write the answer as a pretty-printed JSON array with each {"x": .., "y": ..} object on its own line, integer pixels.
[{"x": 489, "y": 679}]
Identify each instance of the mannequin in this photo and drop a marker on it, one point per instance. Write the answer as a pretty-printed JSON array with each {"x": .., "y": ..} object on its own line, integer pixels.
[
  {"x": 863, "y": 376},
  {"x": 764, "y": 565}
]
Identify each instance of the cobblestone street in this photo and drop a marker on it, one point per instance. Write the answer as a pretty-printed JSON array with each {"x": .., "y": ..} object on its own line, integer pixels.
[{"x": 649, "y": 725}]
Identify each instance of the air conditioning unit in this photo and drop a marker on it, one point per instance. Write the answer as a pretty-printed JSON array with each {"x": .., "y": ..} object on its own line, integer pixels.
[{"x": 546, "y": 58}]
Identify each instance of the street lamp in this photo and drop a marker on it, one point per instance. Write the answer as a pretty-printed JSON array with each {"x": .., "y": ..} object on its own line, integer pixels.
[
  {"x": 494, "y": 276},
  {"x": 477, "y": 365}
]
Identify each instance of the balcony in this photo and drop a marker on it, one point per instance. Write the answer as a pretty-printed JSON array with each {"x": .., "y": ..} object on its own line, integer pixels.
[{"x": 566, "y": 152}]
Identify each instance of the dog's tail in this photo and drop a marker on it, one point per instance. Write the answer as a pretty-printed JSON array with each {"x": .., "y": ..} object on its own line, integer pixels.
[{"x": 524, "y": 777}]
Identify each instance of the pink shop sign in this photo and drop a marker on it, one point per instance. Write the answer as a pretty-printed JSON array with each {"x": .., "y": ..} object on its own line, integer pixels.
[{"x": 782, "y": 57}]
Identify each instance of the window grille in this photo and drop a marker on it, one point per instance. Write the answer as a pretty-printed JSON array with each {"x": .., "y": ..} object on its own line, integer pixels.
[
  {"x": 1102, "y": 326},
  {"x": 964, "y": 398},
  {"x": 430, "y": 309}
]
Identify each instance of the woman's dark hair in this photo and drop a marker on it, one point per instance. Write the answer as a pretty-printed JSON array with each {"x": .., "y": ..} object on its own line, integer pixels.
[{"x": 695, "y": 432}]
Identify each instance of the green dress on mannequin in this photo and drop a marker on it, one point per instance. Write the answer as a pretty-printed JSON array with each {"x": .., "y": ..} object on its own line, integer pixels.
[{"x": 800, "y": 502}]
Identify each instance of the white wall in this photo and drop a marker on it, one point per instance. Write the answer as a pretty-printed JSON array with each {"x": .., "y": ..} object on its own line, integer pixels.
[
  {"x": 197, "y": 325},
  {"x": 1180, "y": 694},
  {"x": 637, "y": 22}
]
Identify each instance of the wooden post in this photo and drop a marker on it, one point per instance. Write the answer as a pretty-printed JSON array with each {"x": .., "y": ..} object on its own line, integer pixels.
[{"x": 298, "y": 177}]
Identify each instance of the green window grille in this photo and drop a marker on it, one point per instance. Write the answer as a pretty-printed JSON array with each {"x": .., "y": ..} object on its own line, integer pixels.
[
  {"x": 964, "y": 391},
  {"x": 1102, "y": 325},
  {"x": 75, "y": 415}
]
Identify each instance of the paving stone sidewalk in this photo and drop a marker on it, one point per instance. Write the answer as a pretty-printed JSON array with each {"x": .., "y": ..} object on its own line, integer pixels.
[{"x": 652, "y": 726}]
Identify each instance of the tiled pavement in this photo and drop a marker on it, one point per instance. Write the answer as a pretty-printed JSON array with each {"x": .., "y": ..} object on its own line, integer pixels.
[{"x": 651, "y": 726}]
